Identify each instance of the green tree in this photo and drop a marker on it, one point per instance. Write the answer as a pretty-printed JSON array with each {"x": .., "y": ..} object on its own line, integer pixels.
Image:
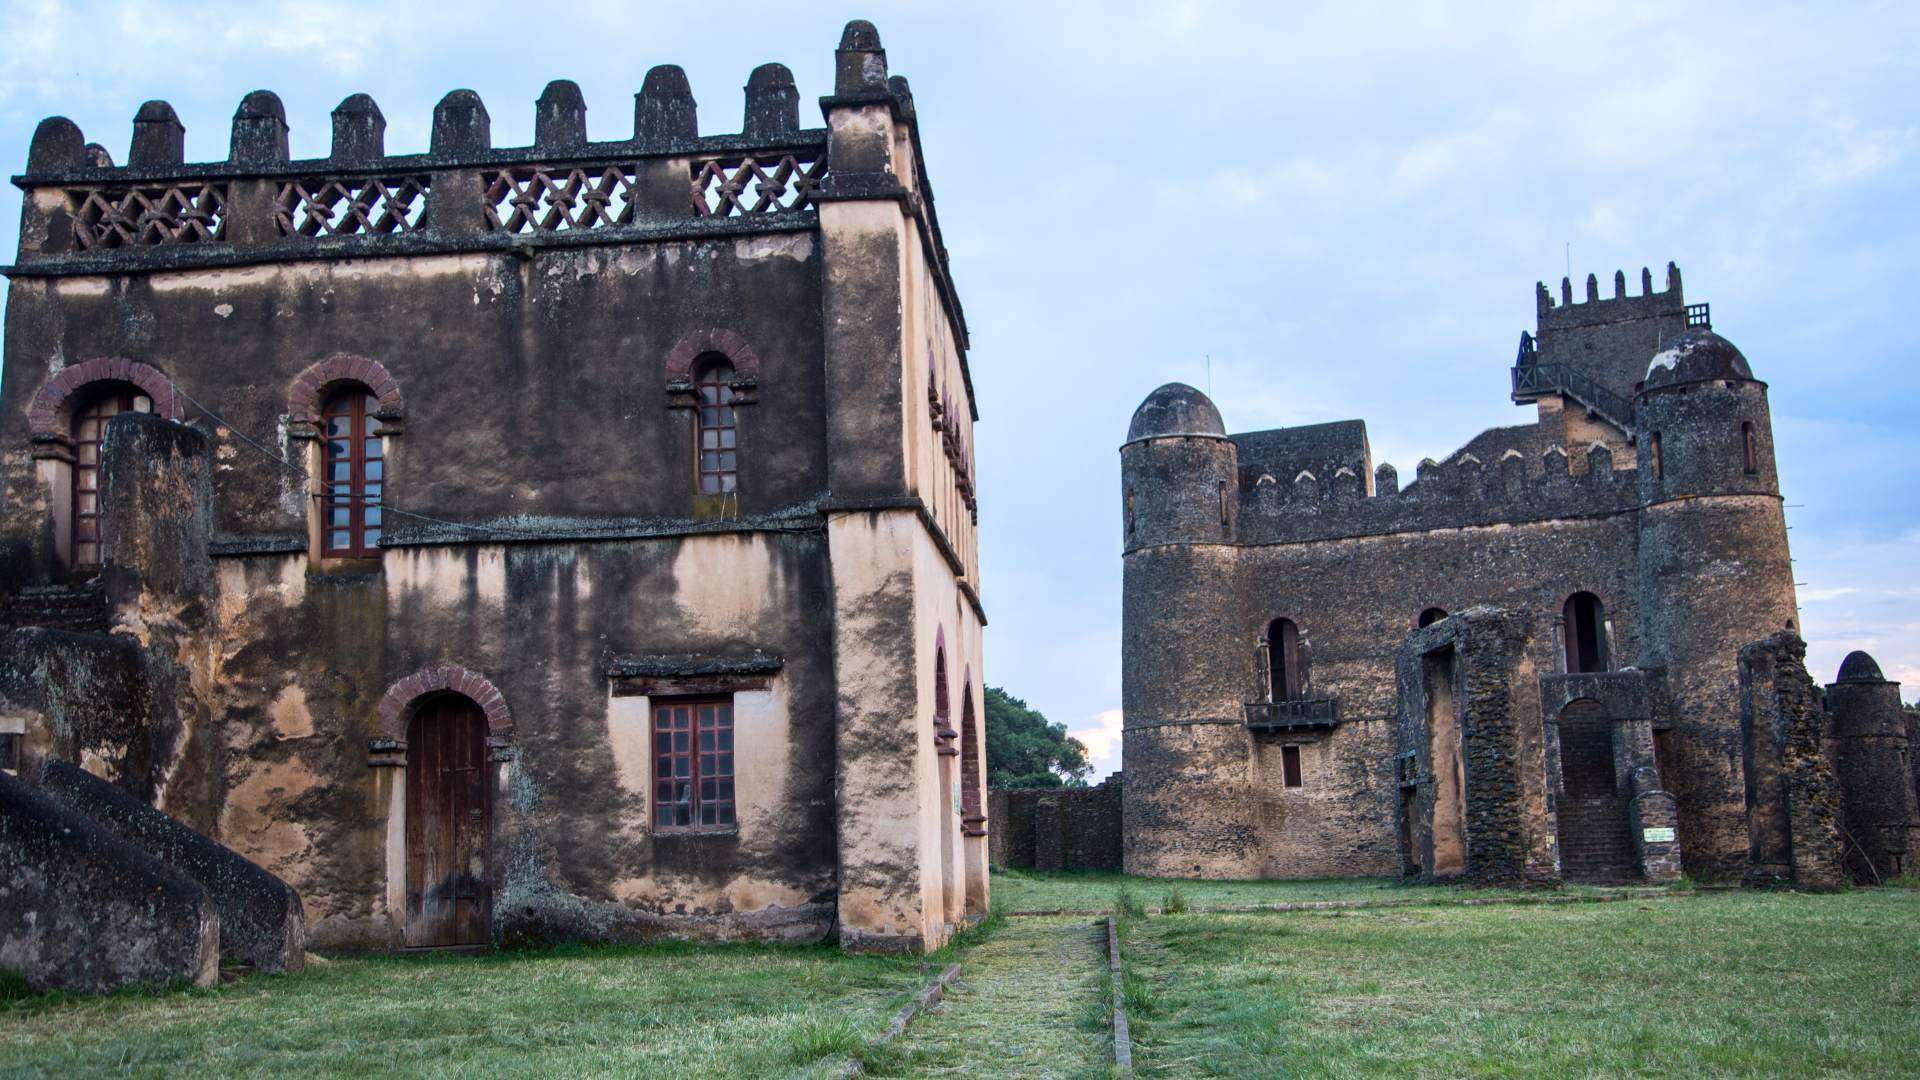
[{"x": 1025, "y": 750}]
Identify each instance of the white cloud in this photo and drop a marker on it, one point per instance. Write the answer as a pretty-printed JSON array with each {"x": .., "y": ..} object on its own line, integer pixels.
[{"x": 1101, "y": 735}]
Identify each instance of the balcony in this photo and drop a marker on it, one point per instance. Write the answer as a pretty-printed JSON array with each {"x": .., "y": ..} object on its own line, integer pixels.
[{"x": 1303, "y": 714}]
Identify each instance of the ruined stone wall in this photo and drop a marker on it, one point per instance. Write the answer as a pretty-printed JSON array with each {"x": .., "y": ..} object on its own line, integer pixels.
[
  {"x": 1794, "y": 809},
  {"x": 1472, "y": 678},
  {"x": 1060, "y": 828}
]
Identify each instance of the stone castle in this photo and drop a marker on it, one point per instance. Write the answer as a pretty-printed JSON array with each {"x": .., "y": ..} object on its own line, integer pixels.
[
  {"x": 579, "y": 541},
  {"x": 565, "y": 541},
  {"x": 1565, "y": 652}
]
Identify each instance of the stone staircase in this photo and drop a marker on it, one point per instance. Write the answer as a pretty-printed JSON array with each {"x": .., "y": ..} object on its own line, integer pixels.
[
  {"x": 80, "y": 608},
  {"x": 1595, "y": 846}
]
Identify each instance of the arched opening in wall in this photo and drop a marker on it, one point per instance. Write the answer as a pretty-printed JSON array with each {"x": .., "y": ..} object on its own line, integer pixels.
[
  {"x": 973, "y": 817},
  {"x": 1749, "y": 451},
  {"x": 1285, "y": 679},
  {"x": 1430, "y": 616},
  {"x": 449, "y": 824},
  {"x": 1653, "y": 454},
  {"x": 1446, "y": 825},
  {"x": 98, "y": 404},
  {"x": 1584, "y": 630},
  {"x": 1591, "y": 813},
  {"x": 952, "y": 892},
  {"x": 353, "y": 468},
  {"x": 716, "y": 427}
]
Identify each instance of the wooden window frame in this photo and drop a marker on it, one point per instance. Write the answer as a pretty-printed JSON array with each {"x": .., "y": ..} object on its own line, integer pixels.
[
  {"x": 713, "y": 393},
  {"x": 715, "y": 761},
  {"x": 354, "y": 403},
  {"x": 126, "y": 396}
]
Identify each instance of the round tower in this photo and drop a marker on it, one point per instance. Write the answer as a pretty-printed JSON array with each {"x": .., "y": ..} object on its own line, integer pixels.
[
  {"x": 1186, "y": 806},
  {"x": 1870, "y": 759},
  {"x": 1714, "y": 574}
]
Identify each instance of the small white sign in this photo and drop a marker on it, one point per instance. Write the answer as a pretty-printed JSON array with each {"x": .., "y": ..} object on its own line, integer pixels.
[{"x": 1657, "y": 836}]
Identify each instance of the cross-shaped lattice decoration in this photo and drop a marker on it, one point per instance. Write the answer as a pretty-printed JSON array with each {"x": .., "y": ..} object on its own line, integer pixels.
[
  {"x": 743, "y": 186},
  {"x": 534, "y": 199},
  {"x": 148, "y": 216},
  {"x": 351, "y": 205}
]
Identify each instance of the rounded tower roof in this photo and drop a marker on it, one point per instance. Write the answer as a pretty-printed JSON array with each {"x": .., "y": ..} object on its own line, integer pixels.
[
  {"x": 1694, "y": 356},
  {"x": 1175, "y": 409},
  {"x": 1859, "y": 667}
]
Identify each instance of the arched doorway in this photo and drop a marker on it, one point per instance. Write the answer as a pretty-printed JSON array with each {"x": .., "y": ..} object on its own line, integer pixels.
[
  {"x": 1591, "y": 812},
  {"x": 449, "y": 824}
]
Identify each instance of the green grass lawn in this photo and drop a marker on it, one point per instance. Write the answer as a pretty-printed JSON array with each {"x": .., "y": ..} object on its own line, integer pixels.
[
  {"x": 666, "y": 1010},
  {"x": 1735, "y": 983},
  {"x": 1016, "y": 890},
  {"x": 1723, "y": 983}
]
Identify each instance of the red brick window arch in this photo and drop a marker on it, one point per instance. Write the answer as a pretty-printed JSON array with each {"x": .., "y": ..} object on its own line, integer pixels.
[
  {"x": 716, "y": 426},
  {"x": 353, "y": 472}
]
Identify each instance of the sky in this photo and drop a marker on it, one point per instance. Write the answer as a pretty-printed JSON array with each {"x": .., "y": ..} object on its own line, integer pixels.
[{"x": 1315, "y": 212}]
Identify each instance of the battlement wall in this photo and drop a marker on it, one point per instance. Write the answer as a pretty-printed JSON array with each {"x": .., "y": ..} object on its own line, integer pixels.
[
  {"x": 1607, "y": 340},
  {"x": 1460, "y": 492}
]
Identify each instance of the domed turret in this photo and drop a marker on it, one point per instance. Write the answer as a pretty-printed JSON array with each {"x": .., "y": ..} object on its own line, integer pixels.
[
  {"x": 1859, "y": 667},
  {"x": 1175, "y": 409},
  {"x": 1696, "y": 355}
]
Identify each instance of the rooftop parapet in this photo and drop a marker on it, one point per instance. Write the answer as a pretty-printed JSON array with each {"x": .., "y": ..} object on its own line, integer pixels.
[
  {"x": 85, "y": 215},
  {"x": 1463, "y": 491}
]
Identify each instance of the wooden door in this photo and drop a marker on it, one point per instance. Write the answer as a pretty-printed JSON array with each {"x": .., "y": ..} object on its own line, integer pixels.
[{"x": 449, "y": 820}]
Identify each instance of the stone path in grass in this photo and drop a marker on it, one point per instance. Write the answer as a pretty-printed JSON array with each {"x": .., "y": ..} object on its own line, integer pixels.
[{"x": 1027, "y": 1003}]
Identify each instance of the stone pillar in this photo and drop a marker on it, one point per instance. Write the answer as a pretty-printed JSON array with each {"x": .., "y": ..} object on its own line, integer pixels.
[
  {"x": 1794, "y": 797},
  {"x": 1870, "y": 758},
  {"x": 1654, "y": 817}
]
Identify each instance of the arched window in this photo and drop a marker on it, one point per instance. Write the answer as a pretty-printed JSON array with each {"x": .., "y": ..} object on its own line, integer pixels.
[
  {"x": 1749, "y": 451},
  {"x": 107, "y": 401},
  {"x": 715, "y": 431},
  {"x": 943, "y": 731},
  {"x": 972, "y": 819},
  {"x": 1653, "y": 454},
  {"x": 353, "y": 464},
  {"x": 1284, "y": 677},
  {"x": 1431, "y": 615},
  {"x": 1584, "y": 628}
]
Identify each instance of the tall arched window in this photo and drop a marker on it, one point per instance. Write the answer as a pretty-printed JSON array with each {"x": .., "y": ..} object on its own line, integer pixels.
[
  {"x": 1584, "y": 628},
  {"x": 972, "y": 819},
  {"x": 1284, "y": 677},
  {"x": 89, "y": 430},
  {"x": 943, "y": 731},
  {"x": 715, "y": 431},
  {"x": 354, "y": 465},
  {"x": 1749, "y": 451},
  {"x": 1653, "y": 454}
]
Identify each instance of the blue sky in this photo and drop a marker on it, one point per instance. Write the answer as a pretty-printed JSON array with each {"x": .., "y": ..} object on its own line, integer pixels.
[{"x": 1344, "y": 206}]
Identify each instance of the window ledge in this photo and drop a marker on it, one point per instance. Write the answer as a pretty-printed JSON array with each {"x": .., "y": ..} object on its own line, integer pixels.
[{"x": 706, "y": 832}]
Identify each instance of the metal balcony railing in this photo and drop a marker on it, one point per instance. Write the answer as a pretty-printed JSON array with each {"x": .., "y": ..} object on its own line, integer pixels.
[
  {"x": 1532, "y": 380},
  {"x": 1297, "y": 715}
]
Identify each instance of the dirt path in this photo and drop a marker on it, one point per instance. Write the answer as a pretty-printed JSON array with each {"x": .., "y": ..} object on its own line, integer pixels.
[{"x": 1027, "y": 1004}]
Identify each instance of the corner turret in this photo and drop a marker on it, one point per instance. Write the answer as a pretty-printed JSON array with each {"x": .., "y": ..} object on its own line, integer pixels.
[{"x": 1179, "y": 471}]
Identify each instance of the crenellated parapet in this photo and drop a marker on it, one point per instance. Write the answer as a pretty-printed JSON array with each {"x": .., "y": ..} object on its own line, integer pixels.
[
  {"x": 1595, "y": 349},
  {"x": 1459, "y": 492},
  {"x": 86, "y": 214}
]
